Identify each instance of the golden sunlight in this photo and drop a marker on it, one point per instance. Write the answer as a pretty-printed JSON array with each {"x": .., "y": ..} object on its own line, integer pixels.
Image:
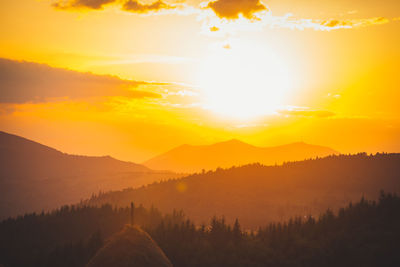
[
  {"x": 199, "y": 133},
  {"x": 244, "y": 80}
]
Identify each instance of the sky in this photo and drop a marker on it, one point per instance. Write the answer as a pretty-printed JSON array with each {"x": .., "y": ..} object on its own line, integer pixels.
[{"x": 134, "y": 79}]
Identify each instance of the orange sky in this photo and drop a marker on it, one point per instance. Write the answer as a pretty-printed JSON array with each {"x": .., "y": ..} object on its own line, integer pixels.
[{"x": 268, "y": 73}]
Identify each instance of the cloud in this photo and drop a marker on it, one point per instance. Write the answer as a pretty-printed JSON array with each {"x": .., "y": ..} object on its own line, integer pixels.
[
  {"x": 337, "y": 24},
  {"x": 22, "y": 82},
  {"x": 214, "y": 29},
  {"x": 321, "y": 25},
  {"x": 304, "y": 112},
  {"x": 182, "y": 93},
  {"x": 132, "y": 6},
  {"x": 336, "y": 96},
  {"x": 231, "y": 9},
  {"x": 76, "y": 4},
  {"x": 222, "y": 14},
  {"x": 136, "y": 7}
]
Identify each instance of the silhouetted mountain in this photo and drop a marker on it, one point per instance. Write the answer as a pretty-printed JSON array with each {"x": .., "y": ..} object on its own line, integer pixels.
[
  {"x": 257, "y": 194},
  {"x": 188, "y": 158},
  {"x": 35, "y": 177}
]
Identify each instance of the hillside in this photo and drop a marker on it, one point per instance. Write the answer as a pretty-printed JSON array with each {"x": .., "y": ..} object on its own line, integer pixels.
[
  {"x": 257, "y": 194},
  {"x": 35, "y": 177},
  {"x": 130, "y": 247},
  {"x": 188, "y": 158}
]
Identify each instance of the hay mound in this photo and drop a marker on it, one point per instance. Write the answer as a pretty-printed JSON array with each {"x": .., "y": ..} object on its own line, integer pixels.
[{"x": 132, "y": 247}]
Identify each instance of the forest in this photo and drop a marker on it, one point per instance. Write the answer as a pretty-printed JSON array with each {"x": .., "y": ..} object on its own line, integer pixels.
[
  {"x": 364, "y": 233},
  {"x": 257, "y": 194}
]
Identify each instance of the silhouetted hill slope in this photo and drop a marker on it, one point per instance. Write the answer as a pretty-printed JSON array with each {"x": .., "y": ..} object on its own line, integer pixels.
[
  {"x": 35, "y": 177},
  {"x": 130, "y": 247},
  {"x": 257, "y": 194},
  {"x": 187, "y": 158}
]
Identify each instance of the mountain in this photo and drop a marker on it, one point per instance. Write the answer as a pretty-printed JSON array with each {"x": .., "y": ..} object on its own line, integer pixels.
[
  {"x": 257, "y": 194},
  {"x": 188, "y": 158},
  {"x": 35, "y": 177}
]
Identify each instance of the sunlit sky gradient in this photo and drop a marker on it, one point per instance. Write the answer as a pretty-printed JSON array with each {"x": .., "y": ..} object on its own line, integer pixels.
[{"x": 268, "y": 73}]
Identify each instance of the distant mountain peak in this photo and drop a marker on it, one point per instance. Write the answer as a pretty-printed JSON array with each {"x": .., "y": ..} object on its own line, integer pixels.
[
  {"x": 233, "y": 141},
  {"x": 300, "y": 143},
  {"x": 188, "y": 158}
]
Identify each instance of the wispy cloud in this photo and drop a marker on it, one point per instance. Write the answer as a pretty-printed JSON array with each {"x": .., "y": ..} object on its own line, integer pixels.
[
  {"x": 330, "y": 24},
  {"x": 22, "y": 82},
  {"x": 183, "y": 93},
  {"x": 267, "y": 20},
  {"x": 306, "y": 112},
  {"x": 144, "y": 58}
]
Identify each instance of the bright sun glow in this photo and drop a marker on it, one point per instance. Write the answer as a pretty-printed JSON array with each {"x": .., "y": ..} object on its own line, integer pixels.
[{"x": 244, "y": 81}]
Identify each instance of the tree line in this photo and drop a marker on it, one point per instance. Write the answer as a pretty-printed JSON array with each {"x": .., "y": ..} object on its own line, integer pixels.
[
  {"x": 365, "y": 233},
  {"x": 256, "y": 194}
]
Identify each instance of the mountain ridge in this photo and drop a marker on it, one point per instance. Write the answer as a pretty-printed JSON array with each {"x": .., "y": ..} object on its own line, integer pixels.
[
  {"x": 8, "y": 139},
  {"x": 32, "y": 175},
  {"x": 256, "y": 193},
  {"x": 193, "y": 158}
]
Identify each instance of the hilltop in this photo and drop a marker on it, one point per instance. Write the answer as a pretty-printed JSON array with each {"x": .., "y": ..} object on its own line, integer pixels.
[{"x": 189, "y": 158}]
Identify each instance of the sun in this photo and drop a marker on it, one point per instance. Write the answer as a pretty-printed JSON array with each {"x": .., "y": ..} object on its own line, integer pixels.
[{"x": 244, "y": 81}]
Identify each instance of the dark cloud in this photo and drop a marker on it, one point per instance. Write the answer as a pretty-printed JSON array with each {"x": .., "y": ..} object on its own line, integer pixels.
[
  {"x": 136, "y": 7},
  {"x": 71, "y": 4},
  {"x": 129, "y": 5},
  {"x": 31, "y": 82},
  {"x": 231, "y": 9},
  {"x": 308, "y": 113}
]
